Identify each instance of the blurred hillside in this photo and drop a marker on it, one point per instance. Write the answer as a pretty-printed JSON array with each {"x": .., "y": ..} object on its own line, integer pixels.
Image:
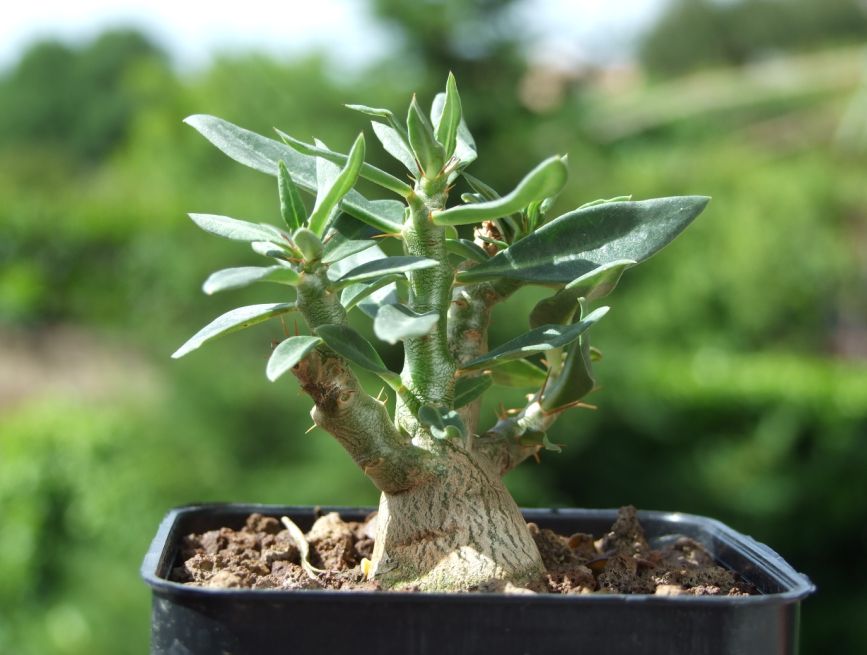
[{"x": 735, "y": 369}]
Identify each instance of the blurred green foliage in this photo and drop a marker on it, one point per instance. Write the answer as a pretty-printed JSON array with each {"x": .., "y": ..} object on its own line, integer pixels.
[
  {"x": 696, "y": 33},
  {"x": 734, "y": 376}
]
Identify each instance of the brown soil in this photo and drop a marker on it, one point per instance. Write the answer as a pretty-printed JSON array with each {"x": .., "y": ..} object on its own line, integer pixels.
[{"x": 263, "y": 555}]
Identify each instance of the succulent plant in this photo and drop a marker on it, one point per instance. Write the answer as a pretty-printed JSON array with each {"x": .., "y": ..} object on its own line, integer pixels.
[{"x": 446, "y": 521}]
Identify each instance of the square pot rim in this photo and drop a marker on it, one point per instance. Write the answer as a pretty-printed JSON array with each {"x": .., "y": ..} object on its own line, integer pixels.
[{"x": 796, "y": 586}]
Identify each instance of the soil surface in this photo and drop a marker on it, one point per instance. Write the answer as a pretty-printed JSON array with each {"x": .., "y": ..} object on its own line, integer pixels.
[{"x": 264, "y": 555}]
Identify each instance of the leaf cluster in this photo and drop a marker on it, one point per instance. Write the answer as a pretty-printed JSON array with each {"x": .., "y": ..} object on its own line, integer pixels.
[{"x": 331, "y": 248}]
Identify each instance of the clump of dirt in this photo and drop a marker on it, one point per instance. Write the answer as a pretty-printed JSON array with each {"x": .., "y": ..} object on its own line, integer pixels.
[{"x": 264, "y": 555}]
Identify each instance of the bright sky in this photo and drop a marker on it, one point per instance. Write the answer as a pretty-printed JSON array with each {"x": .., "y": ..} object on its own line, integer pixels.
[{"x": 193, "y": 33}]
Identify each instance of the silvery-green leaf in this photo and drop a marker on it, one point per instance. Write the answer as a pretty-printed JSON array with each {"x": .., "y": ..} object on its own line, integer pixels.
[
  {"x": 379, "y": 113},
  {"x": 292, "y": 208},
  {"x": 466, "y": 249},
  {"x": 443, "y": 423},
  {"x": 367, "y": 171},
  {"x": 518, "y": 373},
  {"x": 350, "y": 345},
  {"x": 354, "y": 294},
  {"x": 337, "y": 248},
  {"x": 446, "y": 126},
  {"x": 396, "y": 322},
  {"x": 262, "y": 154},
  {"x": 468, "y": 389},
  {"x": 465, "y": 145},
  {"x": 479, "y": 187},
  {"x": 396, "y": 146},
  {"x": 545, "y": 180},
  {"x": 379, "y": 267},
  {"x": 427, "y": 150},
  {"x": 288, "y": 353},
  {"x": 546, "y": 337},
  {"x": 232, "y": 228},
  {"x": 575, "y": 379},
  {"x": 578, "y": 242},
  {"x": 242, "y": 276},
  {"x": 232, "y": 321},
  {"x": 327, "y": 200},
  {"x": 560, "y": 308}
]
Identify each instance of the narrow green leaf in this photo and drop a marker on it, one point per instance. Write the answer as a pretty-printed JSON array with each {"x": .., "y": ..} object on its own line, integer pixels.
[
  {"x": 232, "y": 321},
  {"x": 518, "y": 373},
  {"x": 262, "y": 154},
  {"x": 397, "y": 322},
  {"x": 235, "y": 278},
  {"x": 326, "y": 174},
  {"x": 288, "y": 353},
  {"x": 601, "y": 281},
  {"x": 321, "y": 214},
  {"x": 367, "y": 171},
  {"x": 427, "y": 150},
  {"x": 579, "y": 242},
  {"x": 379, "y": 267},
  {"x": 395, "y": 145},
  {"x": 446, "y": 128},
  {"x": 337, "y": 248},
  {"x": 466, "y": 249},
  {"x": 545, "y": 180},
  {"x": 291, "y": 206},
  {"x": 379, "y": 113},
  {"x": 485, "y": 191},
  {"x": 546, "y": 337},
  {"x": 350, "y": 345},
  {"x": 354, "y": 294},
  {"x": 560, "y": 308},
  {"x": 465, "y": 145},
  {"x": 468, "y": 389},
  {"x": 232, "y": 228},
  {"x": 443, "y": 423},
  {"x": 575, "y": 379}
]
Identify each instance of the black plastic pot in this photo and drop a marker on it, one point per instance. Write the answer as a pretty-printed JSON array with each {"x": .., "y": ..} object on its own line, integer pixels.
[{"x": 189, "y": 620}]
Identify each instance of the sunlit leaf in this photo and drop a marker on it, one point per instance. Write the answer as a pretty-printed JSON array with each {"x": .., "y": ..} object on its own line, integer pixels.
[
  {"x": 232, "y": 228},
  {"x": 242, "y": 276},
  {"x": 427, "y": 150},
  {"x": 466, "y": 249},
  {"x": 446, "y": 128},
  {"x": 262, "y": 154},
  {"x": 546, "y": 337},
  {"x": 292, "y": 208},
  {"x": 545, "y": 180},
  {"x": 396, "y": 322},
  {"x": 578, "y": 242},
  {"x": 338, "y": 248},
  {"x": 350, "y": 345},
  {"x": 288, "y": 353},
  {"x": 386, "y": 266},
  {"x": 233, "y": 321},
  {"x": 342, "y": 184},
  {"x": 560, "y": 308},
  {"x": 367, "y": 171},
  {"x": 396, "y": 146}
]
